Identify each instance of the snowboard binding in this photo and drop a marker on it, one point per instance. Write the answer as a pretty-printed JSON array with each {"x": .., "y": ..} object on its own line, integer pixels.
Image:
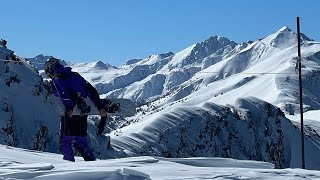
[
  {"x": 82, "y": 106},
  {"x": 110, "y": 106}
]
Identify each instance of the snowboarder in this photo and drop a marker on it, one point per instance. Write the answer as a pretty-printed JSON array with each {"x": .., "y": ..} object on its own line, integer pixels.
[{"x": 72, "y": 88}]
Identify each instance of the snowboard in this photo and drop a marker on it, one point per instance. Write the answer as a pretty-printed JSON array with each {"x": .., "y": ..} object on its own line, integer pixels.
[{"x": 127, "y": 107}]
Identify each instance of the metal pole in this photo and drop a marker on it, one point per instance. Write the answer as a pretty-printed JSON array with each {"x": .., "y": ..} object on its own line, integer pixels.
[{"x": 303, "y": 166}]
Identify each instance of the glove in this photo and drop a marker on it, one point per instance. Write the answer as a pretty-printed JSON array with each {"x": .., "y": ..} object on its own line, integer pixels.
[
  {"x": 103, "y": 113},
  {"x": 101, "y": 125},
  {"x": 69, "y": 112}
]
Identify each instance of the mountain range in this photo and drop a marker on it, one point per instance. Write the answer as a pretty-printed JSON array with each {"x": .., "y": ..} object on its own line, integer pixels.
[{"x": 215, "y": 98}]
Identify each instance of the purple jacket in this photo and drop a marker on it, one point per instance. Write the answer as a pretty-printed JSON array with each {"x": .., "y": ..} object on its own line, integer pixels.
[{"x": 70, "y": 84}]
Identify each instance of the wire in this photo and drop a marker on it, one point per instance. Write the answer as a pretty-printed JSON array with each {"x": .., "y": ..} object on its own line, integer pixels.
[{"x": 179, "y": 70}]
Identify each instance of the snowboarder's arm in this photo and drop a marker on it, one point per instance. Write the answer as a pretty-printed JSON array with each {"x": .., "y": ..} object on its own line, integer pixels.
[
  {"x": 91, "y": 91},
  {"x": 94, "y": 95}
]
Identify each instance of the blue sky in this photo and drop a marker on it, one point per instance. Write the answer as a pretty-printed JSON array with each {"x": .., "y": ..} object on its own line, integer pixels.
[{"x": 118, "y": 30}]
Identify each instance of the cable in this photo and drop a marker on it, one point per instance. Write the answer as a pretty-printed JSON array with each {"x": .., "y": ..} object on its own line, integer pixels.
[{"x": 179, "y": 70}]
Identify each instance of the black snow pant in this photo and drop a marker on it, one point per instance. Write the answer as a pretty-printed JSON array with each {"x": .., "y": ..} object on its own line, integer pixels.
[{"x": 76, "y": 126}]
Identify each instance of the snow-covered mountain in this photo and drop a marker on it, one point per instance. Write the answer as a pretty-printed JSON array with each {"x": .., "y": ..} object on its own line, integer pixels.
[
  {"x": 39, "y": 61},
  {"x": 216, "y": 98},
  {"x": 217, "y": 68}
]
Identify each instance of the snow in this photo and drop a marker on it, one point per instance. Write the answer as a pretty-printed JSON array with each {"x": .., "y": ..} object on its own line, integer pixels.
[
  {"x": 180, "y": 55},
  {"x": 152, "y": 59},
  {"x": 25, "y": 164},
  {"x": 97, "y": 72},
  {"x": 307, "y": 116},
  {"x": 282, "y": 39}
]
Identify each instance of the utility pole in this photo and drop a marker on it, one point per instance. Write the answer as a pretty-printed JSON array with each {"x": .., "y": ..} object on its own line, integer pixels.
[{"x": 303, "y": 166}]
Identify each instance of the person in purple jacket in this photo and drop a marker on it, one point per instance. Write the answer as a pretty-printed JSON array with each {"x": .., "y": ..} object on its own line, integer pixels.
[{"x": 72, "y": 88}]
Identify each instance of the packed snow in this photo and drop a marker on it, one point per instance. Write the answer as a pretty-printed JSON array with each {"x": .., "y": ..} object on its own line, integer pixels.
[{"x": 18, "y": 163}]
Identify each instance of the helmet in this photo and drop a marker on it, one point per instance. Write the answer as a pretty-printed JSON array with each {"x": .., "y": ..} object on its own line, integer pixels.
[{"x": 51, "y": 65}]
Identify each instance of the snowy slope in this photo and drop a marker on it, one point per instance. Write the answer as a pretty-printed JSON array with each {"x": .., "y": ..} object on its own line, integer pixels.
[
  {"x": 25, "y": 164},
  {"x": 24, "y": 121}
]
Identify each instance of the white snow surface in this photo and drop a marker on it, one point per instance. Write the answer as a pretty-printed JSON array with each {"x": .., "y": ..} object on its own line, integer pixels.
[{"x": 18, "y": 163}]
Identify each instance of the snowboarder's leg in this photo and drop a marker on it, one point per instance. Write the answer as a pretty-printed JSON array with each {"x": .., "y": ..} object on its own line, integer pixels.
[
  {"x": 81, "y": 143},
  {"x": 66, "y": 148}
]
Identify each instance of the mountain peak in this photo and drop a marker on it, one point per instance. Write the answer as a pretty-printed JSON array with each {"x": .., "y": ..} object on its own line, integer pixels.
[
  {"x": 284, "y": 32},
  {"x": 281, "y": 39},
  {"x": 162, "y": 55},
  {"x": 214, "y": 44},
  {"x": 132, "y": 61},
  {"x": 99, "y": 65},
  {"x": 41, "y": 58},
  {"x": 284, "y": 29},
  {"x": 219, "y": 39}
]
